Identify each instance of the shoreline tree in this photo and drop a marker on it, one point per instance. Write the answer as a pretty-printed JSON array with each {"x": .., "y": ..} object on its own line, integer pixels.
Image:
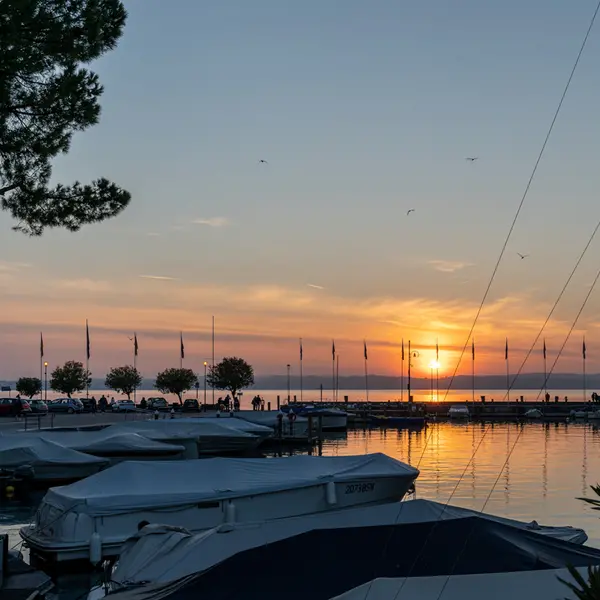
[
  {"x": 175, "y": 381},
  {"x": 125, "y": 380},
  {"x": 46, "y": 95},
  {"x": 29, "y": 386},
  {"x": 71, "y": 377},
  {"x": 232, "y": 374}
]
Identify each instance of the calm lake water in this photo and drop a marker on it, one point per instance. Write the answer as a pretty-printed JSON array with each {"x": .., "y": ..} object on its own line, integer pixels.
[{"x": 550, "y": 466}]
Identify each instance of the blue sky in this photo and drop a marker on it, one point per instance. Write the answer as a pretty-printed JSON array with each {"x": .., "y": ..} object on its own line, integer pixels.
[{"x": 363, "y": 110}]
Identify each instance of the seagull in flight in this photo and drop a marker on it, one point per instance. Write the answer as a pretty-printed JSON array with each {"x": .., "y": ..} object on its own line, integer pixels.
[
  {"x": 471, "y": 158},
  {"x": 263, "y": 161},
  {"x": 522, "y": 255},
  {"x": 409, "y": 211}
]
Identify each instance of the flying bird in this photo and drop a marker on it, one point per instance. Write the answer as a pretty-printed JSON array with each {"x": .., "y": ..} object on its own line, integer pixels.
[
  {"x": 263, "y": 161},
  {"x": 522, "y": 255},
  {"x": 409, "y": 211},
  {"x": 472, "y": 158}
]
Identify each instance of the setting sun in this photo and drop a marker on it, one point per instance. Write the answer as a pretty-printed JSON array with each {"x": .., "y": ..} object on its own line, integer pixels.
[{"x": 434, "y": 364}]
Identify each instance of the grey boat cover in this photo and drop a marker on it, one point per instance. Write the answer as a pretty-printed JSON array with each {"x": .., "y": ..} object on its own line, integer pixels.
[
  {"x": 527, "y": 585},
  {"x": 21, "y": 450},
  {"x": 106, "y": 442},
  {"x": 172, "y": 429},
  {"x": 326, "y": 562},
  {"x": 136, "y": 485},
  {"x": 161, "y": 553}
]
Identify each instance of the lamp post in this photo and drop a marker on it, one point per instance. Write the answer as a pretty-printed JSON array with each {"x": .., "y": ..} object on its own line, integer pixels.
[
  {"x": 288, "y": 382},
  {"x": 45, "y": 381},
  {"x": 205, "y": 365}
]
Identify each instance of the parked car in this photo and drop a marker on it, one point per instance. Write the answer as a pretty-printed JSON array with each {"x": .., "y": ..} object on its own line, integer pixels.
[
  {"x": 123, "y": 406},
  {"x": 38, "y": 407},
  {"x": 65, "y": 405},
  {"x": 157, "y": 404},
  {"x": 6, "y": 407},
  {"x": 191, "y": 405}
]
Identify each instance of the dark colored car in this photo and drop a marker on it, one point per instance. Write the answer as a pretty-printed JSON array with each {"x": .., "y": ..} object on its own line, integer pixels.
[
  {"x": 191, "y": 405},
  {"x": 7, "y": 407},
  {"x": 38, "y": 407},
  {"x": 65, "y": 405},
  {"x": 157, "y": 404}
]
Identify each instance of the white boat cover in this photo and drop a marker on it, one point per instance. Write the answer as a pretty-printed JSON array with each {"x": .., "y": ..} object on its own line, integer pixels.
[
  {"x": 105, "y": 441},
  {"x": 179, "y": 428},
  {"x": 524, "y": 585},
  {"x": 239, "y": 424},
  {"x": 20, "y": 450},
  {"x": 136, "y": 485},
  {"x": 159, "y": 554}
]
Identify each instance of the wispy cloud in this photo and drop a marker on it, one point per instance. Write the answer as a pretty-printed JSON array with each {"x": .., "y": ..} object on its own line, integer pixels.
[
  {"x": 84, "y": 285},
  {"x": 12, "y": 267},
  {"x": 449, "y": 266},
  {"x": 212, "y": 222},
  {"x": 153, "y": 234},
  {"x": 317, "y": 287},
  {"x": 158, "y": 277}
]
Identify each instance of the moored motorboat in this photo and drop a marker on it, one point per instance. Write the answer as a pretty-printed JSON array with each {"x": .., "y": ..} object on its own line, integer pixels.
[
  {"x": 199, "y": 436},
  {"x": 459, "y": 411},
  {"x": 91, "y": 519},
  {"x": 52, "y": 463},
  {"x": 115, "y": 446},
  {"x": 415, "y": 539},
  {"x": 533, "y": 413},
  {"x": 332, "y": 419}
]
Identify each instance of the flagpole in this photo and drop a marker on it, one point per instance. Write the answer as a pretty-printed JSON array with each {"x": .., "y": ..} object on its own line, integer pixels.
[
  {"x": 584, "y": 378},
  {"x": 301, "y": 382},
  {"x": 507, "y": 372},
  {"x": 402, "y": 374},
  {"x": 213, "y": 357},
  {"x": 41, "y": 365},
  {"x": 545, "y": 374},
  {"x": 337, "y": 377},
  {"x": 473, "y": 373},
  {"x": 87, "y": 359},
  {"x": 134, "y": 361},
  {"x": 408, "y": 383},
  {"x": 366, "y": 373},
  {"x": 333, "y": 369},
  {"x": 437, "y": 371}
]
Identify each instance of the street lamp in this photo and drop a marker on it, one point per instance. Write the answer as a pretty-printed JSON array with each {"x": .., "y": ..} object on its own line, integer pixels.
[
  {"x": 45, "y": 381},
  {"x": 288, "y": 381},
  {"x": 205, "y": 365}
]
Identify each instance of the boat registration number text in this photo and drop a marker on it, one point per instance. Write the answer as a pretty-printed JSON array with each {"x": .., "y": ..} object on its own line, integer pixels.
[{"x": 359, "y": 488}]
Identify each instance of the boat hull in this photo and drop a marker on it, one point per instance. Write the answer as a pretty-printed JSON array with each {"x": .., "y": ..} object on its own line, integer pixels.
[{"x": 67, "y": 536}]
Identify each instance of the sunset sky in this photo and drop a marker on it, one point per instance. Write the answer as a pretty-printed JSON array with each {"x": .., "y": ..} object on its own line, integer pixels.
[{"x": 363, "y": 110}]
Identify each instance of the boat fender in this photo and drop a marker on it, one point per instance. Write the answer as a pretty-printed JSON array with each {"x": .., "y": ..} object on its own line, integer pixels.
[
  {"x": 230, "y": 513},
  {"x": 330, "y": 493},
  {"x": 95, "y": 548}
]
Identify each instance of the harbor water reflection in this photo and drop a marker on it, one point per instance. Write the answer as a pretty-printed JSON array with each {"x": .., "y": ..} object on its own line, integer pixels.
[{"x": 467, "y": 464}]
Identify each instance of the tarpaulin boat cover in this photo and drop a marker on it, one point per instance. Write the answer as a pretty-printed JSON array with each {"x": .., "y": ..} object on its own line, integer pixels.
[
  {"x": 178, "y": 428},
  {"x": 105, "y": 441},
  {"x": 162, "y": 553},
  {"x": 19, "y": 450},
  {"x": 135, "y": 485},
  {"x": 528, "y": 585},
  {"x": 323, "y": 563},
  {"x": 240, "y": 424}
]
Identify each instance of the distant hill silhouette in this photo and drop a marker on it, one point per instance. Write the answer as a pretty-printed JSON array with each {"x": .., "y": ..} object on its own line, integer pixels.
[{"x": 526, "y": 381}]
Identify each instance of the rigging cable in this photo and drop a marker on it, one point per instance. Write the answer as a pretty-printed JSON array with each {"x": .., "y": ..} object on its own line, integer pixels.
[
  {"x": 525, "y": 194},
  {"x": 564, "y": 289},
  {"x": 528, "y": 186}
]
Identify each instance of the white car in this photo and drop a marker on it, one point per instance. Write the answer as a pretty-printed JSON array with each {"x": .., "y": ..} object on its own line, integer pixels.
[{"x": 123, "y": 406}]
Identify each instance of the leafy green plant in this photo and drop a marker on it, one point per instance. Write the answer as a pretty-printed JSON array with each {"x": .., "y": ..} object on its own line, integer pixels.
[{"x": 584, "y": 590}]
